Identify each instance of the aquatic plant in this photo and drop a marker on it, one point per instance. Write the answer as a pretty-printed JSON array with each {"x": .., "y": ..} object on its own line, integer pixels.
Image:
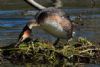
[{"x": 80, "y": 51}]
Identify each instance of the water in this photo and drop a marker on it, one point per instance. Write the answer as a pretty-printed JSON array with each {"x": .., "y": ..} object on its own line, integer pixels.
[{"x": 13, "y": 21}]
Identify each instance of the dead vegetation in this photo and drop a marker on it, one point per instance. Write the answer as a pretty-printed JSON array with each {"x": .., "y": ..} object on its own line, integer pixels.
[{"x": 80, "y": 51}]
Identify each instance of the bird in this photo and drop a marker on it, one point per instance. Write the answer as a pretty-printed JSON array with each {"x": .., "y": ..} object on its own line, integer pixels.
[
  {"x": 55, "y": 22},
  {"x": 52, "y": 20},
  {"x": 25, "y": 35}
]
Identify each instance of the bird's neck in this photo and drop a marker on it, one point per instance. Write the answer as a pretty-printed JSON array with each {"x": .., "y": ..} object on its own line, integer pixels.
[{"x": 29, "y": 26}]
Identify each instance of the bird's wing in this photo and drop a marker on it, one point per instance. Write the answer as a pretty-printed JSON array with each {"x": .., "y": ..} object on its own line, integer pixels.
[{"x": 68, "y": 27}]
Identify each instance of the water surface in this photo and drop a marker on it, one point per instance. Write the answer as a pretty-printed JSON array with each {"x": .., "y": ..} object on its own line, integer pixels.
[{"x": 13, "y": 21}]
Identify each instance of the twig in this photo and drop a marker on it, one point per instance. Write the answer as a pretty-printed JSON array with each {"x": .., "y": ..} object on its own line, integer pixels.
[{"x": 96, "y": 49}]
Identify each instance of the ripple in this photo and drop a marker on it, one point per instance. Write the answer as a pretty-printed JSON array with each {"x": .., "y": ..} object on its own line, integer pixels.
[{"x": 13, "y": 21}]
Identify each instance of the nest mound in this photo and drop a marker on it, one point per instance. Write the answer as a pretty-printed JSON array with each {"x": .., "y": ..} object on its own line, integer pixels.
[{"x": 79, "y": 51}]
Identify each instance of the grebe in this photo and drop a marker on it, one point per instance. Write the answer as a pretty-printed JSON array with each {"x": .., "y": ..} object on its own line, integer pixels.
[{"x": 51, "y": 20}]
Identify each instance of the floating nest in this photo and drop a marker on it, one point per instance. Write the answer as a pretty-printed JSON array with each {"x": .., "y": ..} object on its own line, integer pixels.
[{"x": 79, "y": 51}]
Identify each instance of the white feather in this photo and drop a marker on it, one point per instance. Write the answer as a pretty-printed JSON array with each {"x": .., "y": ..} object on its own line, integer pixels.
[{"x": 54, "y": 28}]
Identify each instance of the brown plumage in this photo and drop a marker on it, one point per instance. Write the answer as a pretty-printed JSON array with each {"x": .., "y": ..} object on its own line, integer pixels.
[
  {"x": 25, "y": 35},
  {"x": 55, "y": 22},
  {"x": 51, "y": 20}
]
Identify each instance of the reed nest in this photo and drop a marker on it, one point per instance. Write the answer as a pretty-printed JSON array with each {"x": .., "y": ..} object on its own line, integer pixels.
[{"x": 79, "y": 51}]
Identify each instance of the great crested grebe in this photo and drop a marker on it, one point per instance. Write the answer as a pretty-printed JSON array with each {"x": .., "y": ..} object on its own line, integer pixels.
[
  {"x": 51, "y": 20},
  {"x": 25, "y": 35}
]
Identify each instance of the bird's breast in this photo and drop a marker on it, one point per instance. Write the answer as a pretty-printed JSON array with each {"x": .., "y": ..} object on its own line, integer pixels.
[{"x": 54, "y": 28}]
